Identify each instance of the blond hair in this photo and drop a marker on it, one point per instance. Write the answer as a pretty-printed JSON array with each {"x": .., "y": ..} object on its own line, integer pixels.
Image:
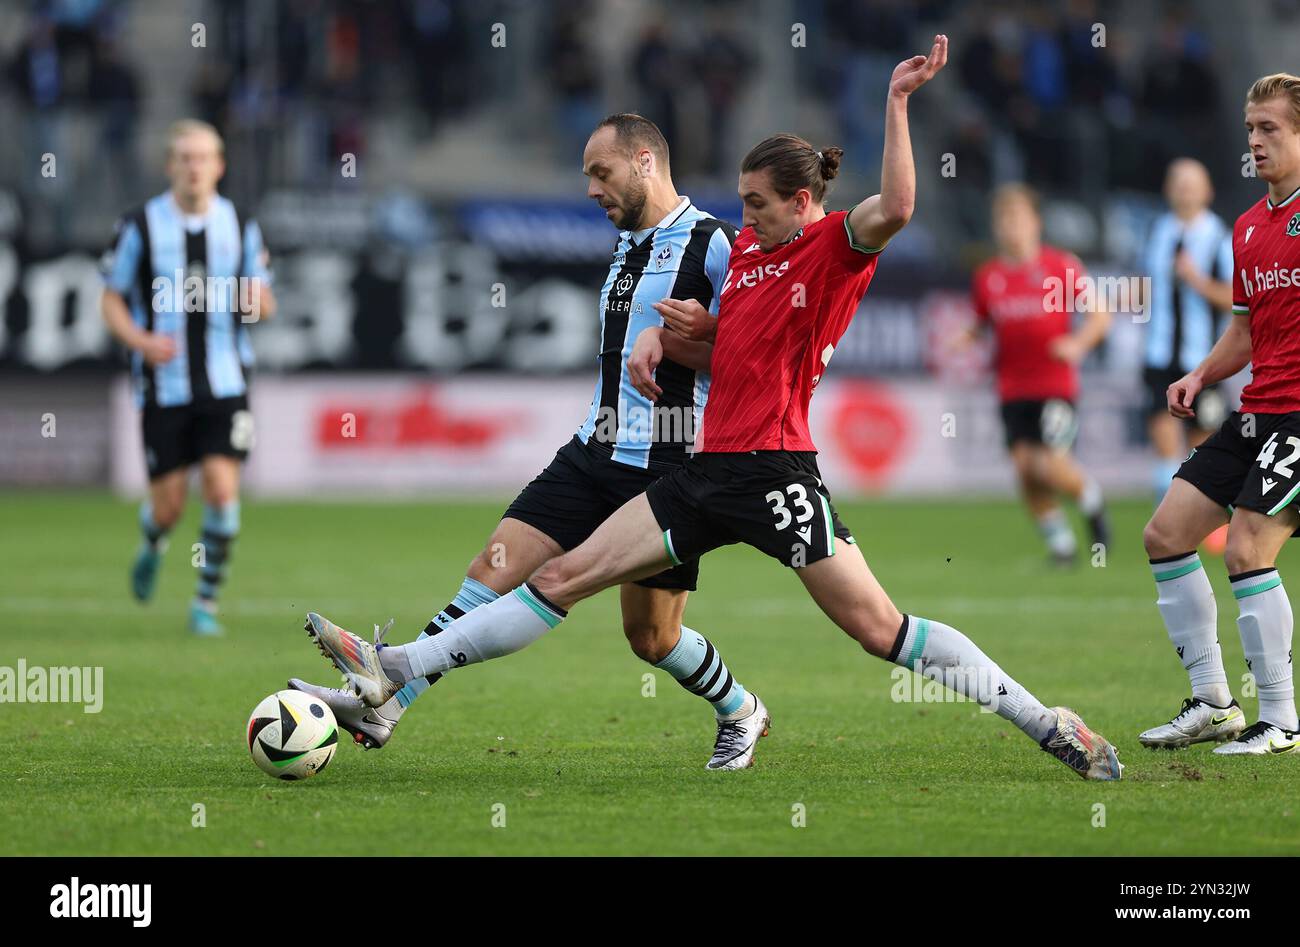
[
  {"x": 1280, "y": 85},
  {"x": 1013, "y": 190},
  {"x": 188, "y": 126}
]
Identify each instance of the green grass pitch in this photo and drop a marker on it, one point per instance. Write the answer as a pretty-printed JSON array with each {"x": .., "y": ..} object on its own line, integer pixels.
[{"x": 561, "y": 734}]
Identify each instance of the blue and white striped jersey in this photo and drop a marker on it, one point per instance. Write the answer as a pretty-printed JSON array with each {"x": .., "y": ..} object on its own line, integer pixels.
[
  {"x": 684, "y": 257},
  {"x": 1183, "y": 325},
  {"x": 182, "y": 278}
]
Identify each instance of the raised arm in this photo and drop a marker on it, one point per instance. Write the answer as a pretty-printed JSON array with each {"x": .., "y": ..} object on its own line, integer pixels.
[{"x": 881, "y": 216}]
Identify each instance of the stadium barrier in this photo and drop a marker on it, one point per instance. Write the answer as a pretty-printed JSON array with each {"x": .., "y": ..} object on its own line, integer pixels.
[{"x": 359, "y": 436}]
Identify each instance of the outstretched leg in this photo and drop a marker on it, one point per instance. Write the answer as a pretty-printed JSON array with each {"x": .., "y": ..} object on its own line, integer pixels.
[
  {"x": 846, "y": 590},
  {"x": 626, "y": 547}
]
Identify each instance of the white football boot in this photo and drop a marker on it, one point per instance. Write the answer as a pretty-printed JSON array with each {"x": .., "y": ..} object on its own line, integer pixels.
[
  {"x": 1196, "y": 722},
  {"x": 736, "y": 740},
  {"x": 1263, "y": 739},
  {"x": 1085, "y": 751},
  {"x": 356, "y": 657},
  {"x": 368, "y": 725}
]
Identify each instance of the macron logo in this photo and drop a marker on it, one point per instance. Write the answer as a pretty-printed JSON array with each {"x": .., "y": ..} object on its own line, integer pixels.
[
  {"x": 1249, "y": 230},
  {"x": 77, "y": 900},
  {"x": 751, "y": 248}
]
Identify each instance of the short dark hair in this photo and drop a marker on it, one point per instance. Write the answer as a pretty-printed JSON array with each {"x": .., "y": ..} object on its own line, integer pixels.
[
  {"x": 794, "y": 164},
  {"x": 635, "y": 132}
]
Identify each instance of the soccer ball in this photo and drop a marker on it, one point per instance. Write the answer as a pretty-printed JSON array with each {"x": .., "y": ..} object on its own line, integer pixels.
[{"x": 292, "y": 735}]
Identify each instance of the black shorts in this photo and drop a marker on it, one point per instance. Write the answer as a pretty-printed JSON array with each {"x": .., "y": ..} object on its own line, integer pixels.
[
  {"x": 1051, "y": 422},
  {"x": 581, "y": 488},
  {"x": 184, "y": 434},
  {"x": 1252, "y": 461},
  {"x": 1210, "y": 406},
  {"x": 773, "y": 500}
]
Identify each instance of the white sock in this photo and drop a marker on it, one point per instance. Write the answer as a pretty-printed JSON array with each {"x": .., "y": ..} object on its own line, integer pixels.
[
  {"x": 1091, "y": 501},
  {"x": 1265, "y": 624},
  {"x": 1055, "y": 529},
  {"x": 1186, "y": 603},
  {"x": 472, "y": 594},
  {"x": 505, "y": 626},
  {"x": 941, "y": 652}
]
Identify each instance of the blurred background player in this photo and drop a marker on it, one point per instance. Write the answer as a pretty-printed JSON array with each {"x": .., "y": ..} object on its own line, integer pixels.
[
  {"x": 1249, "y": 468},
  {"x": 1037, "y": 357},
  {"x": 1188, "y": 259},
  {"x": 186, "y": 274}
]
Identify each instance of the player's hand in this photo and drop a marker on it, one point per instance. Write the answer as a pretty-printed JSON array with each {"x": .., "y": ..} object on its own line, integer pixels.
[
  {"x": 910, "y": 74},
  {"x": 959, "y": 342},
  {"x": 1067, "y": 349},
  {"x": 1182, "y": 393},
  {"x": 647, "y": 353},
  {"x": 1185, "y": 268},
  {"x": 689, "y": 319},
  {"x": 157, "y": 348}
]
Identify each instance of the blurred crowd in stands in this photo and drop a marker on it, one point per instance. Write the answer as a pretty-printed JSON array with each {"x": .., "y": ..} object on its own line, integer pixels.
[{"x": 1035, "y": 92}]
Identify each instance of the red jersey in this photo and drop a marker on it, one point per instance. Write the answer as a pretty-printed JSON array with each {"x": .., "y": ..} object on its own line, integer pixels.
[
  {"x": 780, "y": 315},
  {"x": 1266, "y": 287},
  {"x": 1018, "y": 300}
]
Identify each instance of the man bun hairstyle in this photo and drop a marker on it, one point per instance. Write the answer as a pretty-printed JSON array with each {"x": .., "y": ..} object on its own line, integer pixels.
[{"x": 794, "y": 164}]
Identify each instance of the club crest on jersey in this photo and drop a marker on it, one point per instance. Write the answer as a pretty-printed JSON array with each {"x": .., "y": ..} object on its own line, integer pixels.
[
  {"x": 1293, "y": 226},
  {"x": 662, "y": 257}
]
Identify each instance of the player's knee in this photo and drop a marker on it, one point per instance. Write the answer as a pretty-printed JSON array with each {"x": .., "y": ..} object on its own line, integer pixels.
[
  {"x": 875, "y": 629},
  {"x": 1158, "y": 539},
  {"x": 559, "y": 578},
  {"x": 650, "y": 641},
  {"x": 480, "y": 567},
  {"x": 166, "y": 514},
  {"x": 1242, "y": 553}
]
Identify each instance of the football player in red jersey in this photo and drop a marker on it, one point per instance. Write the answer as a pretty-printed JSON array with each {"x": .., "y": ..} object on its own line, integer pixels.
[
  {"x": 797, "y": 275},
  {"x": 1245, "y": 473},
  {"x": 1023, "y": 295}
]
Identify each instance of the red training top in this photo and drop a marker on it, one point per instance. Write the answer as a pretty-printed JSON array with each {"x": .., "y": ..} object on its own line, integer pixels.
[{"x": 779, "y": 317}]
